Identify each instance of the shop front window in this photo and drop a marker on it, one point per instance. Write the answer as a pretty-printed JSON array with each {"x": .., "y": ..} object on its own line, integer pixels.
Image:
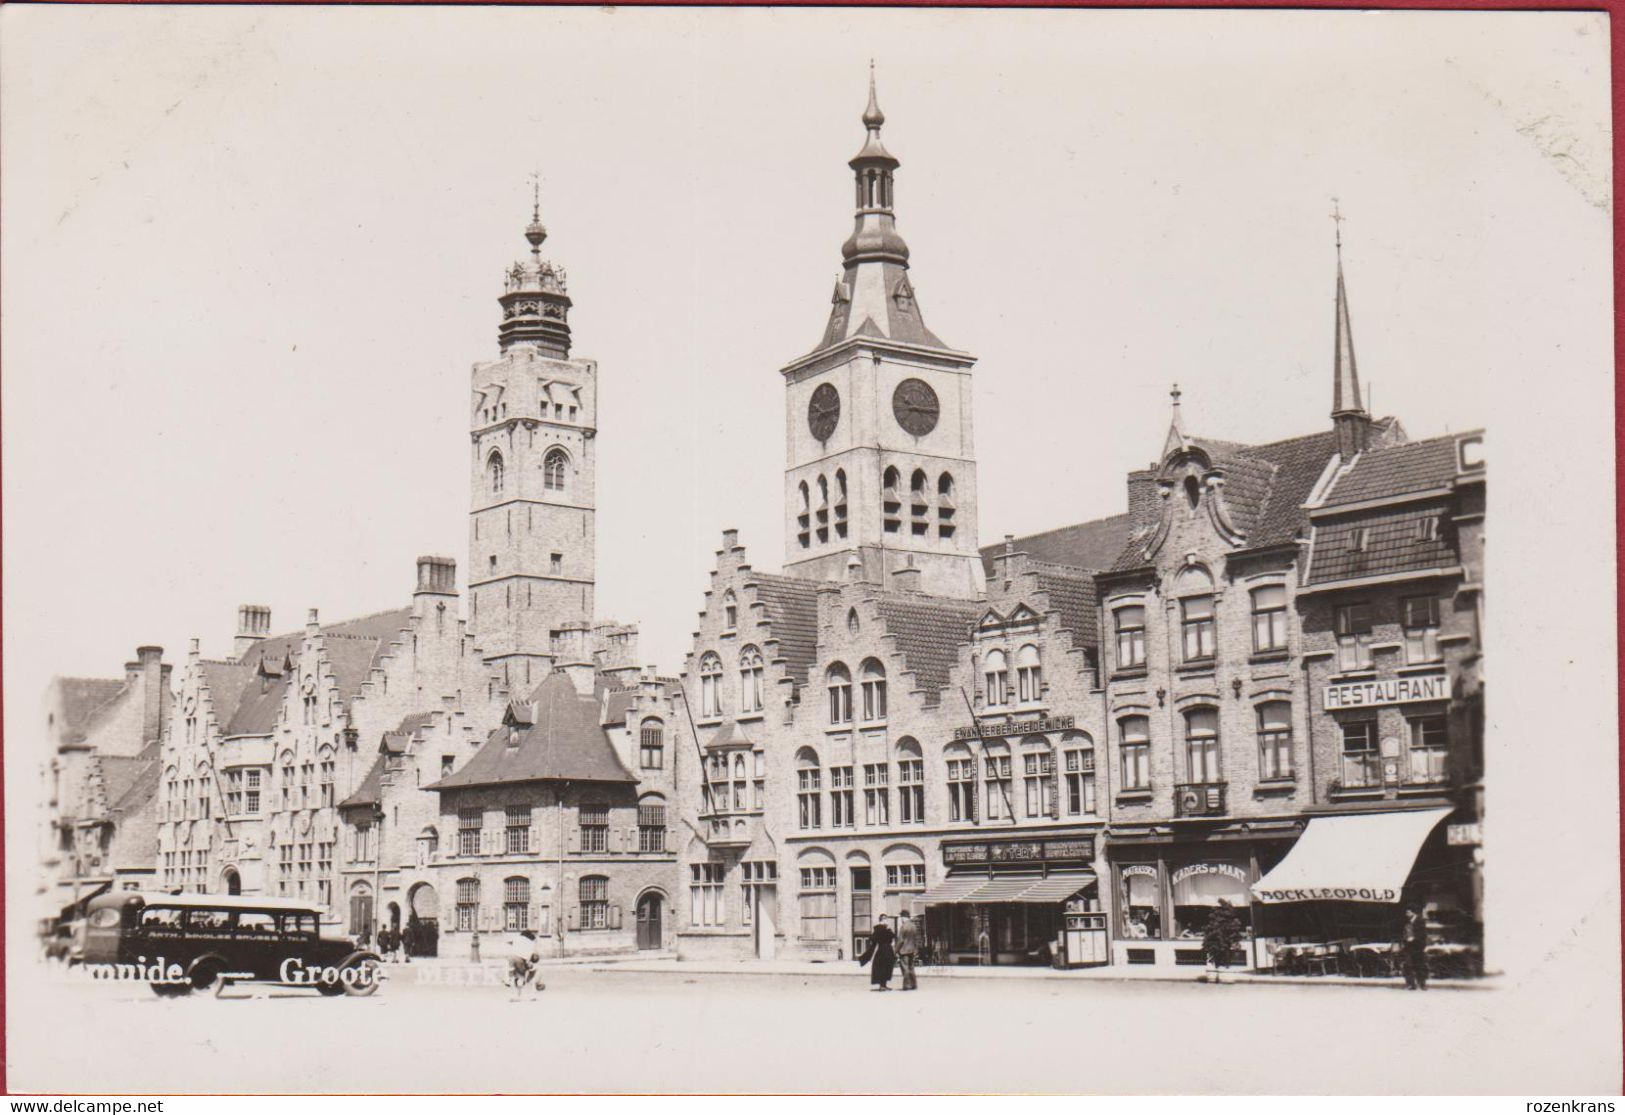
[
  {"x": 1141, "y": 905},
  {"x": 1198, "y": 888},
  {"x": 817, "y": 899}
]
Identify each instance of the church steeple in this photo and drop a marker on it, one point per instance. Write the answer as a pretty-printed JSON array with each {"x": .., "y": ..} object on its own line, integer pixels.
[
  {"x": 873, "y": 296},
  {"x": 535, "y": 305},
  {"x": 1348, "y": 410}
]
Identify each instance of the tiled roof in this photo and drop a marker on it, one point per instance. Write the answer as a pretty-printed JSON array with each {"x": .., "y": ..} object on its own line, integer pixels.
[
  {"x": 930, "y": 630},
  {"x": 226, "y": 681},
  {"x": 617, "y": 703},
  {"x": 730, "y": 734},
  {"x": 792, "y": 616},
  {"x": 1298, "y": 463},
  {"x": 1397, "y": 470},
  {"x": 82, "y": 698},
  {"x": 1072, "y": 593},
  {"x": 370, "y": 792},
  {"x": 395, "y": 742},
  {"x": 140, "y": 782},
  {"x": 1395, "y": 543},
  {"x": 567, "y": 742},
  {"x": 1091, "y": 545},
  {"x": 351, "y": 647}
]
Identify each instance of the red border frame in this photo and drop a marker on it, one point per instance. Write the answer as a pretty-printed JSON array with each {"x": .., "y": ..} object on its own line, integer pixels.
[{"x": 1617, "y": 96}]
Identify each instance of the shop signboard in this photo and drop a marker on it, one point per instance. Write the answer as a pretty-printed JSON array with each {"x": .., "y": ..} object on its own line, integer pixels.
[
  {"x": 1468, "y": 835},
  {"x": 1015, "y": 728},
  {"x": 1387, "y": 691},
  {"x": 1070, "y": 849}
]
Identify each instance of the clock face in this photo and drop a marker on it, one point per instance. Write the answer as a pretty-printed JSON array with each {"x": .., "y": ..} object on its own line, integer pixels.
[
  {"x": 916, "y": 407},
  {"x": 824, "y": 411}
]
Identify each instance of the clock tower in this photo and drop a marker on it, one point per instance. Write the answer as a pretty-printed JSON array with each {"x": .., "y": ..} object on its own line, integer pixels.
[{"x": 881, "y": 456}]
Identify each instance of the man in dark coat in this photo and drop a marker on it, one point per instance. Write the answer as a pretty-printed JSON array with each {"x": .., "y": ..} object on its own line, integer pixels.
[
  {"x": 880, "y": 956},
  {"x": 1413, "y": 944}
]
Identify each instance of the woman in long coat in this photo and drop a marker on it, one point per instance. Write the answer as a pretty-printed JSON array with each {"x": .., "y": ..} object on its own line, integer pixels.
[{"x": 880, "y": 955}]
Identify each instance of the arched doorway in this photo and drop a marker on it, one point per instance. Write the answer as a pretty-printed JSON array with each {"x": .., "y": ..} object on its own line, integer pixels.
[
  {"x": 361, "y": 923},
  {"x": 422, "y": 936},
  {"x": 395, "y": 916},
  {"x": 651, "y": 909},
  {"x": 233, "y": 881}
]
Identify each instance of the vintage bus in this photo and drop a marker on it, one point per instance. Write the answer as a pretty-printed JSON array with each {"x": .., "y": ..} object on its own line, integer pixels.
[{"x": 180, "y": 943}]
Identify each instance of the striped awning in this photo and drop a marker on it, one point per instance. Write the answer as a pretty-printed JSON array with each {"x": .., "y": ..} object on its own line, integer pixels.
[
  {"x": 1057, "y": 887},
  {"x": 953, "y": 889},
  {"x": 1007, "y": 889}
]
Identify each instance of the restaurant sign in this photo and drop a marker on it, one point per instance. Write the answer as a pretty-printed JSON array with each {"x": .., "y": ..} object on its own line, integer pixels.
[
  {"x": 1016, "y": 728},
  {"x": 1069, "y": 849},
  {"x": 1389, "y": 691}
]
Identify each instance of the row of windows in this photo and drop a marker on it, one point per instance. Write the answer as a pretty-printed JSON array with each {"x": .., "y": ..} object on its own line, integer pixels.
[
  {"x": 592, "y": 828},
  {"x": 751, "y": 673},
  {"x": 1362, "y": 761},
  {"x": 818, "y": 518},
  {"x": 1419, "y": 618},
  {"x": 969, "y": 798},
  {"x": 919, "y": 504},
  {"x": 554, "y": 467},
  {"x": 592, "y": 893}
]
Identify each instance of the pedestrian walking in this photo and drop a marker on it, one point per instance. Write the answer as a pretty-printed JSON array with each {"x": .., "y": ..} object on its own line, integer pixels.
[
  {"x": 880, "y": 956},
  {"x": 522, "y": 967},
  {"x": 1414, "y": 948},
  {"x": 908, "y": 950}
]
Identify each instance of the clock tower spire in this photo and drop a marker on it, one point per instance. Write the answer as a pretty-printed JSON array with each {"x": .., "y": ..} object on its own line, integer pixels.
[{"x": 881, "y": 456}]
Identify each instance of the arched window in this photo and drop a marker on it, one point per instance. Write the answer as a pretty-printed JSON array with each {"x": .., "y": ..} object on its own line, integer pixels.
[
  {"x": 652, "y": 744},
  {"x": 838, "y": 680},
  {"x": 840, "y": 485},
  {"x": 840, "y": 503},
  {"x": 806, "y": 499},
  {"x": 889, "y": 481},
  {"x": 750, "y": 680},
  {"x": 910, "y": 782},
  {"x": 1029, "y": 675},
  {"x": 516, "y": 904},
  {"x": 961, "y": 782},
  {"x": 468, "y": 905},
  {"x": 1193, "y": 491},
  {"x": 1038, "y": 777},
  {"x": 916, "y": 486},
  {"x": 809, "y": 790},
  {"x": 996, "y": 675},
  {"x": 428, "y": 845},
  {"x": 1134, "y": 732},
  {"x": 823, "y": 493},
  {"x": 493, "y": 472},
  {"x": 741, "y": 781},
  {"x": 1202, "y": 745},
  {"x": 1274, "y": 740},
  {"x": 730, "y": 610},
  {"x": 710, "y": 685},
  {"x": 553, "y": 466},
  {"x": 1078, "y": 767},
  {"x": 945, "y": 489},
  {"x": 594, "y": 912},
  {"x": 1195, "y": 590},
  {"x": 874, "y": 689}
]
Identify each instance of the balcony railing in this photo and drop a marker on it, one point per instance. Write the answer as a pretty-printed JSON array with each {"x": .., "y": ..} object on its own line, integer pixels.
[{"x": 1199, "y": 799}]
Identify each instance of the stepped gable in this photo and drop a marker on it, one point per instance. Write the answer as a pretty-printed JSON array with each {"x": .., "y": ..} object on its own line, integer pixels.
[
  {"x": 395, "y": 743},
  {"x": 792, "y": 617},
  {"x": 82, "y": 699},
  {"x": 566, "y": 742},
  {"x": 930, "y": 631},
  {"x": 1396, "y": 470},
  {"x": 352, "y": 647},
  {"x": 226, "y": 682},
  {"x": 1071, "y": 592},
  {"x": 1089, "y": 545}
]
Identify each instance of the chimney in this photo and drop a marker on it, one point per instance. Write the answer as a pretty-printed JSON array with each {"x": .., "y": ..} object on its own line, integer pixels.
[
  {"x": 730, "y": 540},
  {"x": 152, "y": 691},
  {"x": 907, "y": 579},
  {"x": 311, "y": 624},
  {"x": 437, "y": 576},
  {"x": 253, "y": 624},
  {"x": 1142, "y": 495}
]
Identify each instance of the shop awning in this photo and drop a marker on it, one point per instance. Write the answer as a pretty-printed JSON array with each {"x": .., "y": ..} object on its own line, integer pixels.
[
  {"x": 1007, "y": 889},
  {"x": 952, "y": 889},
  {"x": 1057, "y": 887},
  {"x": 1358, "y": 858}
]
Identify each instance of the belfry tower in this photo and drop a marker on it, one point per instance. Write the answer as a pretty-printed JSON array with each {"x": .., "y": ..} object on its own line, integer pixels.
[
  {"x": 881, "y": 454},
  {"x": 531, "y": 567}
]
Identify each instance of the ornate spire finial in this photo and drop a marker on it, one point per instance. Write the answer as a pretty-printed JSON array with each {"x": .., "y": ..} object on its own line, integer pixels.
[
  {"x": 536, "y": 232},
  {"x": 1337, "y": 224},
  {"x": 1348, "y": 409},
  {"x": 872, "y": 116}
]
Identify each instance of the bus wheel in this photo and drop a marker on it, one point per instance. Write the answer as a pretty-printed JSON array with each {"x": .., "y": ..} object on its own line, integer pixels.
[
  {"x": 205, "y": 974},
  {"x": 360, "y": 977},
  {"x": 171, "y": 990}
]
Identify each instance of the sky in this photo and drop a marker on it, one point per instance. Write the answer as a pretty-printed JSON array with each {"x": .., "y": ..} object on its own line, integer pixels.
[{"x": 251, "y": 254}]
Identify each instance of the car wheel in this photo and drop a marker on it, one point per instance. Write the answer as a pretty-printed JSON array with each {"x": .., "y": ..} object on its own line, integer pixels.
[
  {"x": 365, "y": 980},
  {"x": 171, "y": 990}
]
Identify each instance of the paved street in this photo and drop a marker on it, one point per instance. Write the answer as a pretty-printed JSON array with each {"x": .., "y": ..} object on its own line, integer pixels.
[{"x": 595, "y": 1030}]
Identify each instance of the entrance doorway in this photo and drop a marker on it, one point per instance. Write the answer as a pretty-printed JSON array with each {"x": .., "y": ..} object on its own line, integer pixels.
[
  {"x": 862, "y": 909},
  {"x": 234, "y": 882},
  {"x": 650, "y": 935},
  {"x": 361, "y": 915},
  {"x": 423, "y": 922}
]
